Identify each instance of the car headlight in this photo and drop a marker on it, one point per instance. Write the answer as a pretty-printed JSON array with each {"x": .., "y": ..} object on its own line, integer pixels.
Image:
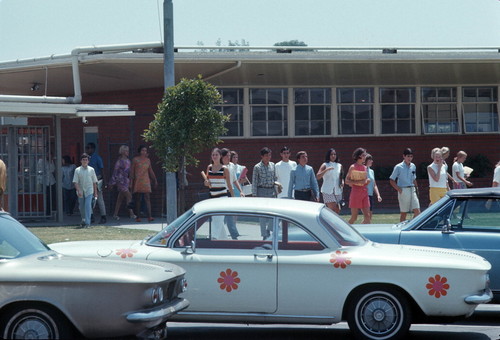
[{"x": 157, "y": 295}]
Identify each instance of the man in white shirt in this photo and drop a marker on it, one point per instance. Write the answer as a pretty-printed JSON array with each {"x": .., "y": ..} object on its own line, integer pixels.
[{"x": 283, "y": 170}]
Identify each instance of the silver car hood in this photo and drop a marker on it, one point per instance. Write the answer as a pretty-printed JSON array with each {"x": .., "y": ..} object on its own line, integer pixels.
[{"x": 64, "y": 268}]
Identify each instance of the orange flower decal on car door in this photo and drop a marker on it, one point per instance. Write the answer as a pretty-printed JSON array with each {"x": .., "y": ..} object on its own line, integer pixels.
[{"x": 229, "y": 280}]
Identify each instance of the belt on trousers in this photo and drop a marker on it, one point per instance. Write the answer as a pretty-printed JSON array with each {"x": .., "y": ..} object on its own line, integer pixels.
[
  {"x": 409, "y": 187},
  {"x": 265, "y": 187},
  {"x": 303, "y": 190}
]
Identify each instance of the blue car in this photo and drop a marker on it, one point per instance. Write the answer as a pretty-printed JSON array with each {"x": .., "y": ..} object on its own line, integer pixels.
[{"x": 465, "y": 219}]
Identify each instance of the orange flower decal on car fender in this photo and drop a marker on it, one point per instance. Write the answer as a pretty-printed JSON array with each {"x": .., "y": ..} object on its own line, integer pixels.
[
  {"x": 229, "y": 280},
  {"x": 124, "y": 253},
  {"x": 340, "y": 259},
  {"x": 437, "y": 286}
]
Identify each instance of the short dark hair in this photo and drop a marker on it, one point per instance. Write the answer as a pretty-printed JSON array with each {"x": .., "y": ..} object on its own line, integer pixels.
[
  {"x": 285, "y": 148},
  {"x": 84, "y": 155},
  {"x": 300, "y": 153},
  {"x": 91, "y": 145},
  {"x": 407, "y": 152},
  {"x": 264, "y": 151},
  {"x": 67, "y": 159},
  {"x": 357, "y": 153},
  {"x": 141, "y": 147},
  {"x": 368, "y": 157}
]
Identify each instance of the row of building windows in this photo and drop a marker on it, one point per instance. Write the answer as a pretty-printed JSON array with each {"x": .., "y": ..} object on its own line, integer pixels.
[{"x": 291, "y": 112}]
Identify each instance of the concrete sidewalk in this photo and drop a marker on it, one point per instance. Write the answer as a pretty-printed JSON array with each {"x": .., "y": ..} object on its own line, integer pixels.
[{"x": 124, "y": 222}]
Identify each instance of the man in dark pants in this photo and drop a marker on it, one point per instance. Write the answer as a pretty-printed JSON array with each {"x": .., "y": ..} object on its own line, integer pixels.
[
  {"x": 263, "y": 178},
  {"x": 97, "y": 163},
  {"x": 303, "y": 181}
]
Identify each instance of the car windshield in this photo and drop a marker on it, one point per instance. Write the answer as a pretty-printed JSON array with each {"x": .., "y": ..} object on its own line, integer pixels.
[
  {"x": 340, "y": 229},
  {"x": 426, "y": 214},
  {"x": 162, "y": 237},
  {"x": 17, "y": 241}
]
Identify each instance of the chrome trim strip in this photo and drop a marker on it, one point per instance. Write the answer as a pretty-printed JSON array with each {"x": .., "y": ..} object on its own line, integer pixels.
[
  {"x": 478, "y": 299},
  {"x": 258, "y": 314}
]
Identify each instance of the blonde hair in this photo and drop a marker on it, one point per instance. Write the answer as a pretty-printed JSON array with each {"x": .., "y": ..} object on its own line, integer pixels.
[
  {"x": 459, "y": 154},
  {"x": 433, "y": 152},
  {"x": 122, "y": 149}
]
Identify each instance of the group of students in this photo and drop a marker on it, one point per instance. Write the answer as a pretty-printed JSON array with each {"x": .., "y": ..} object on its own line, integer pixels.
[
  {"x": 130, "y": 177},
  {"x": 296, "y": 179}
]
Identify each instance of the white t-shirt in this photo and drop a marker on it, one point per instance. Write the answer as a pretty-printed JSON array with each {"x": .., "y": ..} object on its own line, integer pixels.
[
  {"x": 458, "y": 167},
  {"x": 283, "y": 170},
  {"x": 443, "y": 177},
  {"x": 496, "y": 176}
]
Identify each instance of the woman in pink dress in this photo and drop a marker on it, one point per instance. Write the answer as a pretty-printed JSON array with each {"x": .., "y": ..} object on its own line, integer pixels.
[
  {"x": 121, "y": 179},
  {"x": 141, "y": 175},
  {"x": 357, "y": 179}
]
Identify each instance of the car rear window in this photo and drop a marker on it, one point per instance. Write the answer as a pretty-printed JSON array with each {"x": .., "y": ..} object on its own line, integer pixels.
[{"x": 340, "y": 229}]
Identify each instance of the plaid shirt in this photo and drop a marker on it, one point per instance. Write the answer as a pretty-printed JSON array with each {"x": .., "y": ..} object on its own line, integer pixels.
[{"x": 263, "y": 176}]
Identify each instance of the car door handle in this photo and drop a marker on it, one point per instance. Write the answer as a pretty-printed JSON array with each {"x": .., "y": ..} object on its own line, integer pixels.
[{"x": 260, "y": 256}]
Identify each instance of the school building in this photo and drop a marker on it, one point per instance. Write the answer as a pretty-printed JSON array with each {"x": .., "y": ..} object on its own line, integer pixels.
[{"x": 306, "y": 98}]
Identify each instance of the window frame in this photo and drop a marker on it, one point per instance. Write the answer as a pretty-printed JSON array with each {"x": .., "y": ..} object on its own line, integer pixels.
[
  {"x": 283, "y": 106},
  {"x": 452, "y": 102},
  {"x": 326, "y": 105},
  {"x": 411, "y": 103},
  {"x": 493, "y": 116},
  {"x": 356, "y": 104}
]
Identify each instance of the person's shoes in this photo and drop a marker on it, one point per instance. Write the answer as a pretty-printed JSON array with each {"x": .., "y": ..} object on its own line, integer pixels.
[
  {"x": 92, "y": 219},
  {"x": 150, "y": 219},
  {"x": 133, "y": 216},
  {"x": 116, "y": 217},
  {"x": 103, "y": 220},
  {"x": 137, "y": 219},
  {"x": 81, "y": 225}
]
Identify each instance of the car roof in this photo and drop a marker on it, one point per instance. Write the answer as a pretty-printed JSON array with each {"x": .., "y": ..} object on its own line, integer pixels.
[
  {"x": 286, "y": 207},
  {"x": 475, "y": 192}
]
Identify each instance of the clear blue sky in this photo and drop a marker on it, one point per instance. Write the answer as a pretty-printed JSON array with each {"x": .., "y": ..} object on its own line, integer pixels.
[{"x": 36, "y": 28}]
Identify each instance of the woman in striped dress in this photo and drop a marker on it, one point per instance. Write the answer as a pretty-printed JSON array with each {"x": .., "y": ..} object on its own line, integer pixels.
[
  {"x": 218, "y": 177},
  {"x": 219, "y": 182}
]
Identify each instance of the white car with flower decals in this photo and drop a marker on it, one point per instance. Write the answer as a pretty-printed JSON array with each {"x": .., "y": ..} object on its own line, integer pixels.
[{"x": 298, "y": 262}]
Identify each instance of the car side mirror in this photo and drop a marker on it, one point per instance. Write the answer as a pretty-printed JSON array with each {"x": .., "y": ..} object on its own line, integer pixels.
[
  {"x": 447, "y": 227},
  {"x": 190, "y": 249}
]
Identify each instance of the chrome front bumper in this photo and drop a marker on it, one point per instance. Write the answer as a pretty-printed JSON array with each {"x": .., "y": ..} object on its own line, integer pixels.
[
  {"x": 160, "y": 314},
  {"x": 478, "y": 299}
]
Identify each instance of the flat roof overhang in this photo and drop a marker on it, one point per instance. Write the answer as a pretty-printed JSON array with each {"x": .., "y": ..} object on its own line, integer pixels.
[
  {"x": 110, "y": 72},
  {"x": 38, "y": 110}
]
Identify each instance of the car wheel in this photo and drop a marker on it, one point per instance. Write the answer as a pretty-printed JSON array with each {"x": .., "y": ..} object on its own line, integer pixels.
[
  {"x": 379, "y": 313},
  {"x": 28, "y": 322}
]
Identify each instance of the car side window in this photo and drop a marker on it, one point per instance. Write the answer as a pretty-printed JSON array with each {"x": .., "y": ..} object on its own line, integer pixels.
[
  {"x": 291, "y": 236},
  {"x": 440, "y": 219},
  {"x": 481, "y": 214},
  {"x": 229, "y": 232}
]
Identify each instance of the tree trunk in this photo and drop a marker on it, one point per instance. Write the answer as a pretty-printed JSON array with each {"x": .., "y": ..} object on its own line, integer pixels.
[{"x": 181, "y": 177}]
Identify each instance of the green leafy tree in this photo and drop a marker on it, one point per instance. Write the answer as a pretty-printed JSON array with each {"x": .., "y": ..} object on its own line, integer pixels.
[
  {"x": 185, "y": 123},
  {"x": 290, "y": 43}
]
